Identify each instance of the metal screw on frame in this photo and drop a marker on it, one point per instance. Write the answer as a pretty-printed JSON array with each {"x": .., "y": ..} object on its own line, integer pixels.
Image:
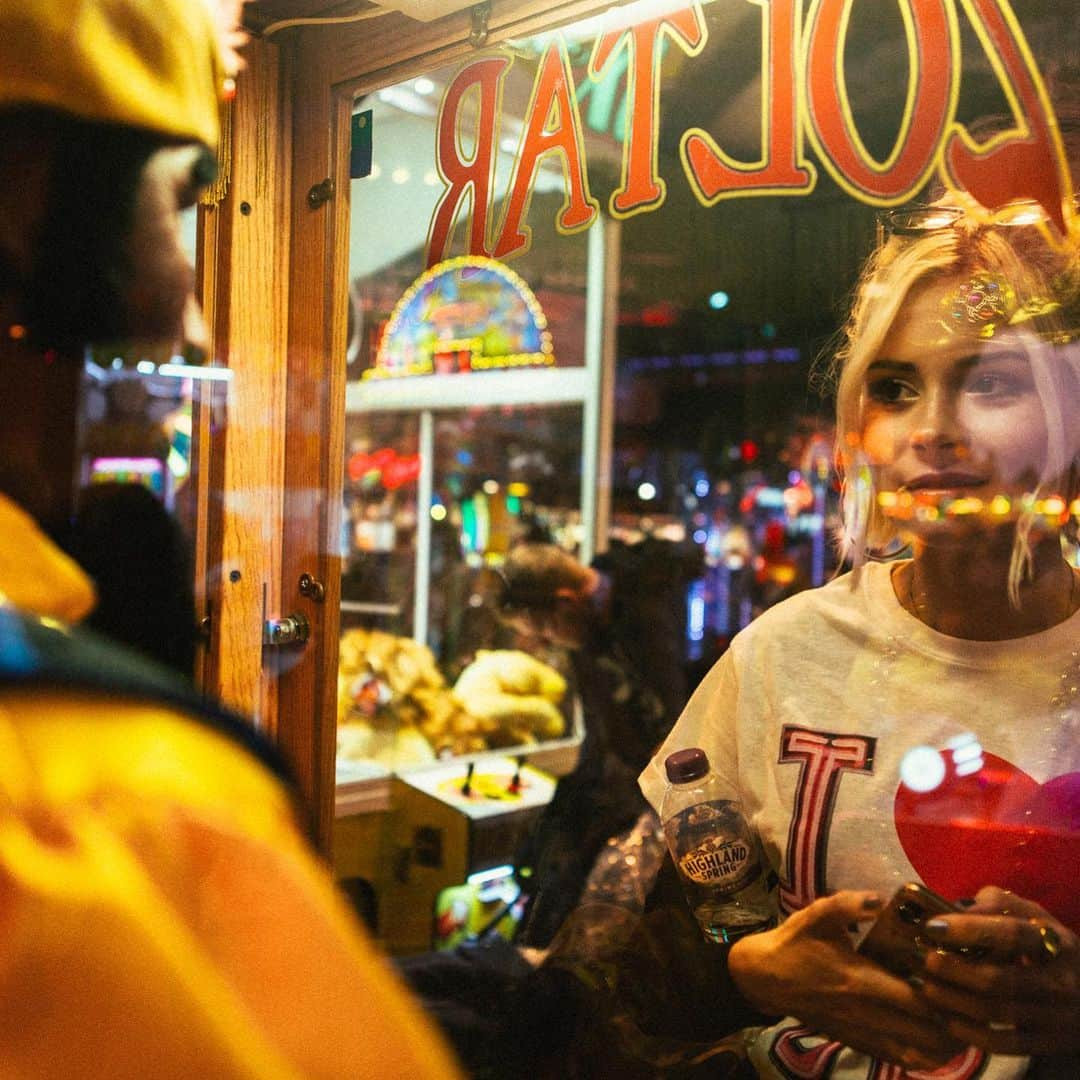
[
  {"x": 312, "y": 589},
  {"x": 320, "y": 193},
  {"x": 479, "y": 15}
]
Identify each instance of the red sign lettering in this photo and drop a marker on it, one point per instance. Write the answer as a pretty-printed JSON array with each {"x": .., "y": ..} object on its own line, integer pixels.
[
  {"x": 712, "y": 174},
  {"x": 552, "y": 125},
  {"x": 476, "y": 175},
  {"x": 1029, "y": 163},
  {"x": 642, "y": 187},
  {"x": 804, "y": 95},
  {"x": 931, "y": 99}
]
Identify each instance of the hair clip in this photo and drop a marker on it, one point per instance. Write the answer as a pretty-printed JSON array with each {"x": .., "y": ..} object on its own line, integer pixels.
[{"x": 984, "y": 301}]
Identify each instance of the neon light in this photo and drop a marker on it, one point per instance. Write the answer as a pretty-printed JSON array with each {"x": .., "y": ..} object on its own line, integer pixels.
[
  {"x": 187, "y": 371},
  {"x": 466, "y": 314}
]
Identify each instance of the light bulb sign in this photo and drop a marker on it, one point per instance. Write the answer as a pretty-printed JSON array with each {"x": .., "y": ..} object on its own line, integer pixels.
[
  {"x": 467, "y": 314},
  {"x": 807, "y": 122}
]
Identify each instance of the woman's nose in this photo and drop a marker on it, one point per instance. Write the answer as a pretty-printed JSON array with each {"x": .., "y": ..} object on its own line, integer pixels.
[{"x": 937, "y": 425}]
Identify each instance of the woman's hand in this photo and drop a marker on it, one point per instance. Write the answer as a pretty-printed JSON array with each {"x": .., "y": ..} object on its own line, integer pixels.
[
  {"x": 808, "y": 968},
  {"x": 1021, "y": 995}
]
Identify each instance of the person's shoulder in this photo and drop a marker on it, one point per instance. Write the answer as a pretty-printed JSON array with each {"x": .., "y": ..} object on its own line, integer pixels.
[
  {"x": 144, "y": 754},
  {"x": 838, "y": 606},
  {"x": 651, "y": 563},
  {"x": 47, "y": 660}
]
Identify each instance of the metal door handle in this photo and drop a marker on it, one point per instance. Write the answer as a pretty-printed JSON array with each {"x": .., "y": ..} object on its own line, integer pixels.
[{"x": 288, "y": 630}]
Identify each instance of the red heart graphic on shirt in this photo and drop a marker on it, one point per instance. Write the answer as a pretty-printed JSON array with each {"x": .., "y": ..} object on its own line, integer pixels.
[{"x": 996, "y": 826}]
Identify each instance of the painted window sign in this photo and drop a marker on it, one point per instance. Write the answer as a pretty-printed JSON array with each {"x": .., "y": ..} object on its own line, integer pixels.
[
  {"x": 807, "y": 122},
  {"x": 466, "y": 314}
]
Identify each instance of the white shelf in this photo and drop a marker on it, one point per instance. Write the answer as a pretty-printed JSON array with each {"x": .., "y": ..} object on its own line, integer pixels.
[{"x": 476, "y": 389}]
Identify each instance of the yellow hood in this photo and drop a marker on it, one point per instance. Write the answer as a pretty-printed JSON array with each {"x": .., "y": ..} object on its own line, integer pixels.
[
  {"x": 35, "y": 575},
  {"x": 154, "y": 64}
]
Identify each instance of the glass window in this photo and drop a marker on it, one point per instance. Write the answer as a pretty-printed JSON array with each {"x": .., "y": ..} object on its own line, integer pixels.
[{"x": 690, "y": 197}]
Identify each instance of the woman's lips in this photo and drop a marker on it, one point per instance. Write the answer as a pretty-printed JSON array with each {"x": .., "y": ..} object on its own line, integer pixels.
[{"x": 943, "y": 481}]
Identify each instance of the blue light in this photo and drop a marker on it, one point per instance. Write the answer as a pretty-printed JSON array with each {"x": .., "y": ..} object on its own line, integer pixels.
[
  {"x": 695, "y": 612},
  {"x": 719, "y": 300}
]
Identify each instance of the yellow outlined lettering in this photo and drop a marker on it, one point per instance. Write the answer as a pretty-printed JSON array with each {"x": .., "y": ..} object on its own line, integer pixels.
[
  {"x": 932, "y": 33},
  {"x": 782, "y": 168},
  {"x": 463, "y": 177},
  {"x": 1029, "y": 161},
  {"x": 642, "y": 187},
  {"x": 552, "y": 125}
]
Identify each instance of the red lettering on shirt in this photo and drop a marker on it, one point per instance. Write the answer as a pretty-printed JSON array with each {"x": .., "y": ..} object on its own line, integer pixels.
[{"x": 822, "y": 758}]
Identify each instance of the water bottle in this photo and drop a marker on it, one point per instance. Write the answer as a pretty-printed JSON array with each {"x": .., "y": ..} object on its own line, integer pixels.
[{"x": 715, "y": 851}]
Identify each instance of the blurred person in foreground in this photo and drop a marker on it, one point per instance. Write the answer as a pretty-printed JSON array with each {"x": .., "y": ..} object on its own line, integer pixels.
[
  {"x": 916, "y": 719},
  {"x": 140, "y": 562},
  {"x": 161, "y": 914}
]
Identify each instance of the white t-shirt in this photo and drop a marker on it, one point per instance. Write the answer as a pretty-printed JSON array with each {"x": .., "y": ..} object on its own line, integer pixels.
[{"x": 869, "y": 750}]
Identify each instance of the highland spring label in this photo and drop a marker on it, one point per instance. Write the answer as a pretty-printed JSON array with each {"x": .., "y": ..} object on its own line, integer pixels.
[{"x": 728, "y": 862}]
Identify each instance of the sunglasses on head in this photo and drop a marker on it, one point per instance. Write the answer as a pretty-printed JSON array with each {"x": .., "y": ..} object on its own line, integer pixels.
[{"x": 918, "y": 219}]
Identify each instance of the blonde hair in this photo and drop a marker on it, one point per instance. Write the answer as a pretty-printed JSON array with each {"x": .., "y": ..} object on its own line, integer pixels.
[{"x": 1037, "y": 270}]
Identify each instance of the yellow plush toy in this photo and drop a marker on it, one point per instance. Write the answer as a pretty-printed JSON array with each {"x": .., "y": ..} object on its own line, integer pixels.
[
  {"x": 382, "y": 682},
  {"x": 514, "y": 696},
  {"x": 394, "y": 706}
]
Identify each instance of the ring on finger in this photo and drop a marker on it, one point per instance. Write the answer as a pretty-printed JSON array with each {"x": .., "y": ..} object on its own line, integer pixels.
[{"x": 1049, "y": 942}]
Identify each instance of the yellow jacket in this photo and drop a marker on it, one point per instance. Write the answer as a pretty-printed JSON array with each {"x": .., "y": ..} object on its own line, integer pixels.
[{"x": 160, "y": 915}]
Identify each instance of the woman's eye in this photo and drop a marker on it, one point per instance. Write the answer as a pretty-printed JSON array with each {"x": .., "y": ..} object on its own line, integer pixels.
[
  {"x": 892, "y": 391},
  {"x": 986, "y": 383}
]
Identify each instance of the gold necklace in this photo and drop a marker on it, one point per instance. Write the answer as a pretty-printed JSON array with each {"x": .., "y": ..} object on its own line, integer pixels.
[
  {"x": 917, "y": 606},
  {"x": 1065, "y": 696}
]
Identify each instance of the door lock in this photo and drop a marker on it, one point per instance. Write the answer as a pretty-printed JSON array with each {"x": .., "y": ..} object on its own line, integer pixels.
[{"x": 288, "y": 630}]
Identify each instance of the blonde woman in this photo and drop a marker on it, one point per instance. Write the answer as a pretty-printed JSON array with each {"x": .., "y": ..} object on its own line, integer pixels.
[{"x": 916, "y": 719}]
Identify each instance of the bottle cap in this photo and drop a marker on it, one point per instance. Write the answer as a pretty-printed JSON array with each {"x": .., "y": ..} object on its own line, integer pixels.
[{"x": 685, "y": 765}]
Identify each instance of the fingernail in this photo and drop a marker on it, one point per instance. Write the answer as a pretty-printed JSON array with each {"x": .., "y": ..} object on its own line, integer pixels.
[
  {"x": 998, "y": 1025},
  {"x": 916, "y": 982},
  {"x": 871, "y": 903},
  {"x": 936, "y": 926}
]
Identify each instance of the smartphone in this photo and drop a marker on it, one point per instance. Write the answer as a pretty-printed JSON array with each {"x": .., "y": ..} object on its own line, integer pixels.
[{"x": 895, "y": 940}]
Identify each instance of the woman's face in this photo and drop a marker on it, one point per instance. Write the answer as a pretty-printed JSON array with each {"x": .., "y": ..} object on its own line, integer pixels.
[
  {"x": 949, "y": 416},
  {"x": 160, "y": 298}
]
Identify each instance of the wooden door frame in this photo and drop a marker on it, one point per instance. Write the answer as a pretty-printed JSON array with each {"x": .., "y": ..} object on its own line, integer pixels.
[
  {"x": 321, "y": 70},
  {"x": 242, "y": 258}
]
